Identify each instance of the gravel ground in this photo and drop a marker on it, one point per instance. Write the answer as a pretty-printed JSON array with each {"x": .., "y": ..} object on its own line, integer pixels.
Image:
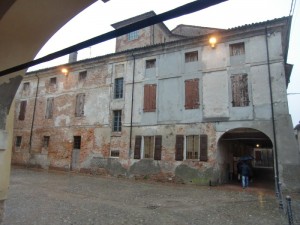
[{"x": 38, "y": 197}]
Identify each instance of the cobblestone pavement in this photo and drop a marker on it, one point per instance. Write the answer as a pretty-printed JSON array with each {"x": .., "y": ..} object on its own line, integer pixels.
[{"x": 38, "y": 197}]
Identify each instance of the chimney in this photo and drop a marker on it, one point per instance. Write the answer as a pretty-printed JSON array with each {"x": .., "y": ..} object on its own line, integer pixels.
[{"x": 73, "y": 57}]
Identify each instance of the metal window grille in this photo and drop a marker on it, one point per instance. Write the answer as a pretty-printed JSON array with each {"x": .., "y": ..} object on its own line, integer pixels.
[
  {"x": 77, "y": 142},
  {"x": 237, "y": 49},
  {"x": 117, "y": 122},
  {"x": 151, "y": 63},
  {"x": 119, "y": 88},
  {"x": 133, "y": 35},
  {"x": 191, "y": 56},
  {"x": 114, "y": 153},
  {"x": 46, "y": 141}
]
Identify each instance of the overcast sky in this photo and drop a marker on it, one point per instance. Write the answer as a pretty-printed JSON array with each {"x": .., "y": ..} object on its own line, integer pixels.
[{"x": 97, "y": 19}]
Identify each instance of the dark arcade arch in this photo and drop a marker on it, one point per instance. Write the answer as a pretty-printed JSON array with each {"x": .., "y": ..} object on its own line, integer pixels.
[{"x": 240, "y": 143}]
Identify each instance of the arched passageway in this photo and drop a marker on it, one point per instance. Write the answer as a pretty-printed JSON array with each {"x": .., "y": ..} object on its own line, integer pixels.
[{"x": 251, "y": 146}]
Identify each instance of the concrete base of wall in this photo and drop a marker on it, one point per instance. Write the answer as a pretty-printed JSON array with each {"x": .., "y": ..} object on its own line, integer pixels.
[
  {"x": 291, "y": 177},
  {"x": 1, "y": 210}
]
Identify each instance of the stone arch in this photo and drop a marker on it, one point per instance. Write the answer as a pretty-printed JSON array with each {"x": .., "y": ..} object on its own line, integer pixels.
[{"x": 236, "y": 144}]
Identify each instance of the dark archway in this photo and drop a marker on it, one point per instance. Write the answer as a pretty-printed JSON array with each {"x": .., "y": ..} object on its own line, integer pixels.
[{"x": 235, "y": 145}]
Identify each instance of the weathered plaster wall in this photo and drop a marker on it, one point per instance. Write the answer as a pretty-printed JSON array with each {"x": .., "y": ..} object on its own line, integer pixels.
[{"x": 214, "y": 117}]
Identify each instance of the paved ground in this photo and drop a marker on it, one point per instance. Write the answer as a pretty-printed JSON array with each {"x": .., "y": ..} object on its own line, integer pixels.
[{"x": 39, "y": 197}]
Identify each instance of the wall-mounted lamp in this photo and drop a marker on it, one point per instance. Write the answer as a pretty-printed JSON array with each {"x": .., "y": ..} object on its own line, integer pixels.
[
  {"x": 65, "y": 71},
  {"x": 257, "y": 145},
  {"x": 212, "y": 41}
]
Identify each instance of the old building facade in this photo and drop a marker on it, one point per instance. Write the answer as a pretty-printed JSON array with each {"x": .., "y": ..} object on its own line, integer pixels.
[{"x": 167, "y": 105}]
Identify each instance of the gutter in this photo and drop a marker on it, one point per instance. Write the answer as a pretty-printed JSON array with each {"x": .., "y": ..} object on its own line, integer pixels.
[
  {"x": 272, "y": 112},
  {"x": 131, "y": 113}
]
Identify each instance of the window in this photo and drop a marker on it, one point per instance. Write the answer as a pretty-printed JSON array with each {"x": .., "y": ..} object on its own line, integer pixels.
[
  {"x": 18, "y": 141},
  {"x": 196, "y": 147},
  {"x": 150, "y": 63},
  {"x": 46, "y": 141},
  {"x": 26, "y": 86},
  {"x": 76, "y": 142},
  {"x": 114, "y": 153},
  {"x": 237, "y": 49},
  {"x": 150, "y": 98},
  {"x": 152, "y": 146},
  {"x": 239, "y": 86},
  {"x": 148, "y": 147},
  {"x": 79, "y": 110},
  {"x": 192, "y": 94},
  {"x": 133, "y": 35},
  {"x": 118, "y": 88},
  {"x": 53, "y": 80},
  {"x": 117, "y": 122},
  {"x": 82, "y": 75},
  {"x": 192, "y": 147},
  {"x": 191, "y": 56},
  {"x": 22, "y": 112},
  {"x": 49, "y": 109}
]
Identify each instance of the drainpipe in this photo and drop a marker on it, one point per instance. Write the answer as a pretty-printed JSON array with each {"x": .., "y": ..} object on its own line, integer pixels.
[
  {"x": 131, "y": 116},
  {"x": 273, "y": 118},
  {"x": 33, "y": 114}
]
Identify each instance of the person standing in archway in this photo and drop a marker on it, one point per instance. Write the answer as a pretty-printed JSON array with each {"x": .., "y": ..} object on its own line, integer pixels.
[{"x": 245, "y": 172}]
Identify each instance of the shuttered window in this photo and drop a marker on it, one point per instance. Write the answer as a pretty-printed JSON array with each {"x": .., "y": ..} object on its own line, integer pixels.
[
  {"x": 49, "y": 109},
  {"x": 158, "y": 146},
  {"x": 150, "y": 98},
  {"x": 79, "y": 109},
  {"x": 239, "y": 86},
  {"x": 137, "y": 147},
  {"x": 22, "y": 112},
  {"x": 203, "y": 147},
  {"x": 192, "y": 94},
  {"x": 179, "y": 147}
]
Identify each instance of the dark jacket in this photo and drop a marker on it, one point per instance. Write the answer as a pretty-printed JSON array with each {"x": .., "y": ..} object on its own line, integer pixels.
[{"x": 245, "y": 169}]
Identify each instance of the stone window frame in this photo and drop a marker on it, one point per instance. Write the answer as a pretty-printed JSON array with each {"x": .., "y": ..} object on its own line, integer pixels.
[
  {"x": 26, "y": 86},
  {"x": 79, "y": 105},
  {"x": 240, "y": 90},
  {"x": 114, "y": 153},
  {"x": 53, "y": 81},
  {"x": 49, "y": 108},
  {"x": 22, "y": 112}
]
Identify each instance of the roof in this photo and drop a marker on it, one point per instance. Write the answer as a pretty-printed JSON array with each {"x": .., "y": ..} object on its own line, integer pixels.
[
  {"x": 151, "y": 13},
  {"x": 297, "y": 127},
  {"x": 193, "y": 31},
  {"x": 131, "y": 20}
]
